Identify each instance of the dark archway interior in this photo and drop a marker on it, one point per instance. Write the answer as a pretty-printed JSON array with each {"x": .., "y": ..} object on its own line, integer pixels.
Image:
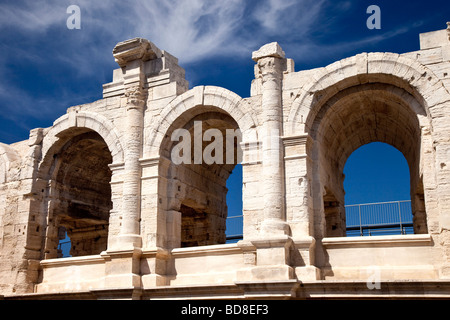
[
  {"x": 195, "y": 192},
  {"x": 81, "y": 194}
]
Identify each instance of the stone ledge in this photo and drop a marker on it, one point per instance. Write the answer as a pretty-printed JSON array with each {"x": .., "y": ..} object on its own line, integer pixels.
[
  {"x": 72, "y": 261},
  {"x": 290, "y": 289},
  {"x": 193, "y": 292},
  {"x": 416, "y": 239},
  {"x": 273, "y": 289},
  {"x": 219, "y": 249},
  {"x": 390, "y": 289}
]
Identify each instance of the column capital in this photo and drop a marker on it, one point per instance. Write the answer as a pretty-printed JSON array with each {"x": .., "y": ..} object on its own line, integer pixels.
[
  {"x": 271, "y": 63},
  {"x": 136, "y": 97}
]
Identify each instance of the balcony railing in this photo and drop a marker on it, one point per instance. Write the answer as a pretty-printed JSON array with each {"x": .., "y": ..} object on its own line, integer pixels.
[
  {"x": 235, "y": 230},
  {"x": 367, "y": 219},
  {"x": 393, "y": 217}
]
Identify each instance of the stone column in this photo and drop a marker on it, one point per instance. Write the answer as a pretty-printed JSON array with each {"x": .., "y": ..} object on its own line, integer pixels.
[
  {"x": 271, "y": 64},
  {"x": 131, "y": 56},
  {"x": 122, "y": 259},
  {"x": 131, "y": 204},
  {"x": 270, "y": 249}
]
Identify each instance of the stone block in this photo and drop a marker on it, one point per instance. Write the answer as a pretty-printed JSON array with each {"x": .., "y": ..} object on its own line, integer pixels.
[
  {"x": 269, "y": 50},
  {"x": 433, "y": 39}
]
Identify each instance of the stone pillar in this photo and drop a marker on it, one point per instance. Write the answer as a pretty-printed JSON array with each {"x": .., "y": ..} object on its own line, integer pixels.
[
  {"x": 271, "y": 64},
  {"x": 122, "y": 259},
  {"x": 299, "y": 211},
  {"x": 131, "y": 204},
  {"x": 131, "y": 56},
  {"x": 270, "y": 249}
]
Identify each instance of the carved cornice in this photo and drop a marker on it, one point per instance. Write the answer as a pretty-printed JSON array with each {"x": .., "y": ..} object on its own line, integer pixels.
[
  {"x": 296, "y": 140},
  {"x": 269, "y": 50},
  {"x": 135, "y": 49}
]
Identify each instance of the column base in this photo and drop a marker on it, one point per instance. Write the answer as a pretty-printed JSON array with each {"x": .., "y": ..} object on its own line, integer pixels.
[
  {"x": 271, "y": 258},
  {"x": 153, "y": 280},
  {"x": 307, "y": 273},
  {"x": 273, "y": 250},
  {"x": 275, "y": 227},
  {"x": 122, "y": 268},
  {"x": 154, "y": 267},
  {"x": 125, "y": 242}
]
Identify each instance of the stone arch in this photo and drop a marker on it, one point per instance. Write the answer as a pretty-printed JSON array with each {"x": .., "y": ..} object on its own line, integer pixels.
[
  {"x": 84, "y": 120},
  {"x": 359, "y": 115},
  {"x": 218, "y": 97},
  {"x": 7, "y": 156},
  {"x": 390, "y": 68},
  {"x": 412, "y": 84},
  {"x": 74, "y": 179},
  {"x": 193, "y": 196},
  {"x": 370, "y": 100},
  {"x": 352, "y": 116}
]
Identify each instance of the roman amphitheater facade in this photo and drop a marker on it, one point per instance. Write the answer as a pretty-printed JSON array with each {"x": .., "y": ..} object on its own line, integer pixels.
[{"x": 143, "y": 225}]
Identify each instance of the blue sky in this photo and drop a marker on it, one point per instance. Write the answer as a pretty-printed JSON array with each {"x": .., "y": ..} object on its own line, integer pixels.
[{"x": 46, "y": 68}]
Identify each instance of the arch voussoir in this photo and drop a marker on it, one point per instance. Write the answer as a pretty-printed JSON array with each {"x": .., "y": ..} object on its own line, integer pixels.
[
  {"x": 389, "y": 68},
  {"x": 208, "y": 96},
  {"x": 86, "y": 120}
]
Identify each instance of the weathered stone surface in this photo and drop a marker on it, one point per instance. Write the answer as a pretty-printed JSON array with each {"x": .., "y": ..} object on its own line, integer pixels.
[
  {"x": 143, "y": 225},
  {"x": 269, "y": 50}
]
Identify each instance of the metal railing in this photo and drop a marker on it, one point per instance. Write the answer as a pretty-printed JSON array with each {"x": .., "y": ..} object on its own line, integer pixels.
[
  {"x": 367, "y": 219},
  {"x": 235, "y": 228},
  {"x": 379, "y": 218}
]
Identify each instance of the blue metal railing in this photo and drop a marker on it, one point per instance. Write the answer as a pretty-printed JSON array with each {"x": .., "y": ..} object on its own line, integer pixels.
[
  {"x": 391, "y": 217},
  {"x": 367, "y": 219},
  {"x": 235, "y": 228}
]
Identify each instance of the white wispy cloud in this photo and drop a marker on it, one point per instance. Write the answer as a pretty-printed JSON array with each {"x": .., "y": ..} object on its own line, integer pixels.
[
  {"x": 34, "y": 33},
  {"x": 191, "y": 30}
]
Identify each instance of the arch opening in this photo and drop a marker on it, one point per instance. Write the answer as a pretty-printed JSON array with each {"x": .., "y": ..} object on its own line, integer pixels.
[
  {"x": 354, "y": 117},
  {"x": 235, "y": 220},
  {"x": 377, "y": 192},
  {"x": 79, "y": 199},
  {"x": 198, "y": 155}
]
